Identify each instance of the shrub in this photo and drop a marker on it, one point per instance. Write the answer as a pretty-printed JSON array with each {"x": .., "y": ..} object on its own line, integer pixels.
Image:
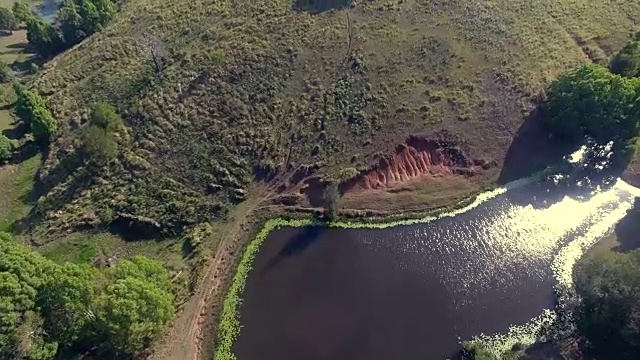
[
  {"x": 6, "y": 149},
  {"x": 98, "y": 145},
  {"x": 609, "y": 289},
  {"x": 4, "y": 71},
  {"x": 105, "y": 116},
  {"x": 33, "y": 111},
  {"x": 331, "y": 198},
  {"x": 627, "y": 61},
  {"x": 592, "y": 102},
  {"x": 8, "y": 21}
]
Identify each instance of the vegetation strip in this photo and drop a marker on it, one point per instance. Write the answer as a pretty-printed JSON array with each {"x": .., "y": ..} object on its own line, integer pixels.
[{"x": 230, "y": 327}]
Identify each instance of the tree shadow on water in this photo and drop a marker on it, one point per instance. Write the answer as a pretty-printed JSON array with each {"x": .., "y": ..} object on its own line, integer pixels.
[
  {"x": 628, "y": 228},
  {"x": 319, "y": 6},
  {"x": 296, "y": 245},
  {"x": 532, "y": 150}
]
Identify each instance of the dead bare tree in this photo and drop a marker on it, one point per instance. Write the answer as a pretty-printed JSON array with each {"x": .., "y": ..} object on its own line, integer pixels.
[{"x": 155, "y": 47}]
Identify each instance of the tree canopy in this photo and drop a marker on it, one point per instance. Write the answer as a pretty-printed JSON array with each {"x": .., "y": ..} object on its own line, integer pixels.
[
  {"x": 69, "y": 307},
  {"x": 590, "y": 101},
  {"x": 33, "y": 111},
  {"x": 6, "y": 149},
  {"x": 8, "y": 21},
  {"x": 609, "y": 312},
  {"x": 627, "y": 61},
  {"x": 76, "y": 20}
]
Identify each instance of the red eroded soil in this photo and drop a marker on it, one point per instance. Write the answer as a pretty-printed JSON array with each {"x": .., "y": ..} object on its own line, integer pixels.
[{"x": 416, "y": 158}]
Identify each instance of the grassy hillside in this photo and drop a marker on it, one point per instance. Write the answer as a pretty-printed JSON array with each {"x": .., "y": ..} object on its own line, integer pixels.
[
  {"x": 249, "y": 88},
  {"x": 219, "y": 94}
]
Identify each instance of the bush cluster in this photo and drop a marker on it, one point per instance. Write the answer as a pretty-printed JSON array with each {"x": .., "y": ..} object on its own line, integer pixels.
[
  {"x": 76, "y": 20},
  {"x": 590, "y": 102},
  {"x": 32, "y": 109},
  {"x": 52, "y": 310},
  {"x": 99, "y": 144}
]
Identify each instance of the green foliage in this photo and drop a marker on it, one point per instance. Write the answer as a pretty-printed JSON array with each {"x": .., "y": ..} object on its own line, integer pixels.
[
  {"x": 33, "y": 111},
  {"x": 105, "y": 116},
  {"x": 136, "y": 312},
  {"x": 8, "y": 21},
  {"x": 76, "y": 307},
  {"x": 98, "y": 145},
  {"x": 627, "y": 61},
  {"x": 22, "y": 12},
  {"x": 4, "y": 71},
  {"x": 69, "y": 302},
  {"x": 331, "y": 198},
  {"x": 6, "y": 149},
  {"x": 608, "y": 314},
  {"x": 591, "y": 101},
  {"x": 76, "y": 20},
  {"x": 478, "y": 351},
  {"x": 43, "y": 125},
  {"x": 42, "y": 36}
]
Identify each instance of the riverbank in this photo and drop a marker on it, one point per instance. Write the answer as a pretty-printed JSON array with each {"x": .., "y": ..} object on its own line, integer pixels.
[{"x": 229, "y": 323}]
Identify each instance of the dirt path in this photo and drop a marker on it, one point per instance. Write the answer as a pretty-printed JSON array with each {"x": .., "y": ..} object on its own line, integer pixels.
[{"x": 185, "y": 339}]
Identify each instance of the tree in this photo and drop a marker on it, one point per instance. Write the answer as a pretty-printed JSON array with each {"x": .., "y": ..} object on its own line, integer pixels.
[
  {"x": 6, "y": 149},
  {"x": 33, "y": 111},
  {"x": 609, "y": 312},
  {"x": 4, "y": 71},
  {"x": 22, "y": 12},
  {"x": 627, "y": 61},
  {"x": 8, "y": 21},
  {"x": 98, "y": 145},
  {"x": 139, "y": 304},
  {"x": 331, "y": 197},
  {"x": 42, "y": 36},
  {"x": 43, "y": 125},
  {"x": 592, "y": 102},
  {"x": 68, "y": 302},
  {"x": 105, "y": 116},
  {"x": 70, "y": 22}
]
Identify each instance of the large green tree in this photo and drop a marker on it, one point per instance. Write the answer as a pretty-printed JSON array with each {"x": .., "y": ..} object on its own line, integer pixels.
[
  {"x": 33, "y": 111},
  {"x": 47, "y": 309},
  {"x": 590, "y": 101},
  {"x": 69, "y": 302},
  {"x": 609, "y": 311},
  {"x": 22, "y": 12},
  {"x": 6, "y": 149},
  {"x": 8, "y": 21},
  {"x": 627, "y": 61},
  {"x": 136, "y": 313}
]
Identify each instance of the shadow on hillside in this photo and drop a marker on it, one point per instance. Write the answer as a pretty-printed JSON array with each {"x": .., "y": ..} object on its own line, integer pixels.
[
  {"x": 24, "y": 152},
  {"x": 17, "y": 132},
  {"x": 319, "y": 6},
  {"x": 532, "y": 150},
  {"x": 296, "y": 245}
]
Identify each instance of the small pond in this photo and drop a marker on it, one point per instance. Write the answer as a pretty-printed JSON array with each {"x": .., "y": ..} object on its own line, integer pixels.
[{"x": 414, "y": 292}]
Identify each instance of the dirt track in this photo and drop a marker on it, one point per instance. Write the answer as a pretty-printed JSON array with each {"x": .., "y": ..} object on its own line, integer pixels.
[{"x": 185, "y": 339}]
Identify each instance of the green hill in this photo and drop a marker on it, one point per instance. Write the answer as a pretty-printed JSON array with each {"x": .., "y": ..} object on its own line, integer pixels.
[
  {"x": 219, "y": 95},
  {"x": 247, "y": 88}
]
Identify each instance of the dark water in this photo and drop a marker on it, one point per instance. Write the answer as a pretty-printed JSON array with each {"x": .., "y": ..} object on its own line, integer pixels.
[
  {"x": 48, "y": 9},
  {"x": 411, "y": 292}
]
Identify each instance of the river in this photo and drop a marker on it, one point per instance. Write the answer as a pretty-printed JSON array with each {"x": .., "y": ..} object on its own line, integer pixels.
[{"x": 415, "y": 291}]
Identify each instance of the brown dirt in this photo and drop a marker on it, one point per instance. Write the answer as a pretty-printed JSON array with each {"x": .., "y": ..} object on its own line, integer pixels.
[
  {"x": 417, "y": 158},
  {"x": 188, "y": 338}
]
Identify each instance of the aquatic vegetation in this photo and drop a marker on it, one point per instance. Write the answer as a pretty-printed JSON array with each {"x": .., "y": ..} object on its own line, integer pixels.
[{"x": 562, "y": 267}]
